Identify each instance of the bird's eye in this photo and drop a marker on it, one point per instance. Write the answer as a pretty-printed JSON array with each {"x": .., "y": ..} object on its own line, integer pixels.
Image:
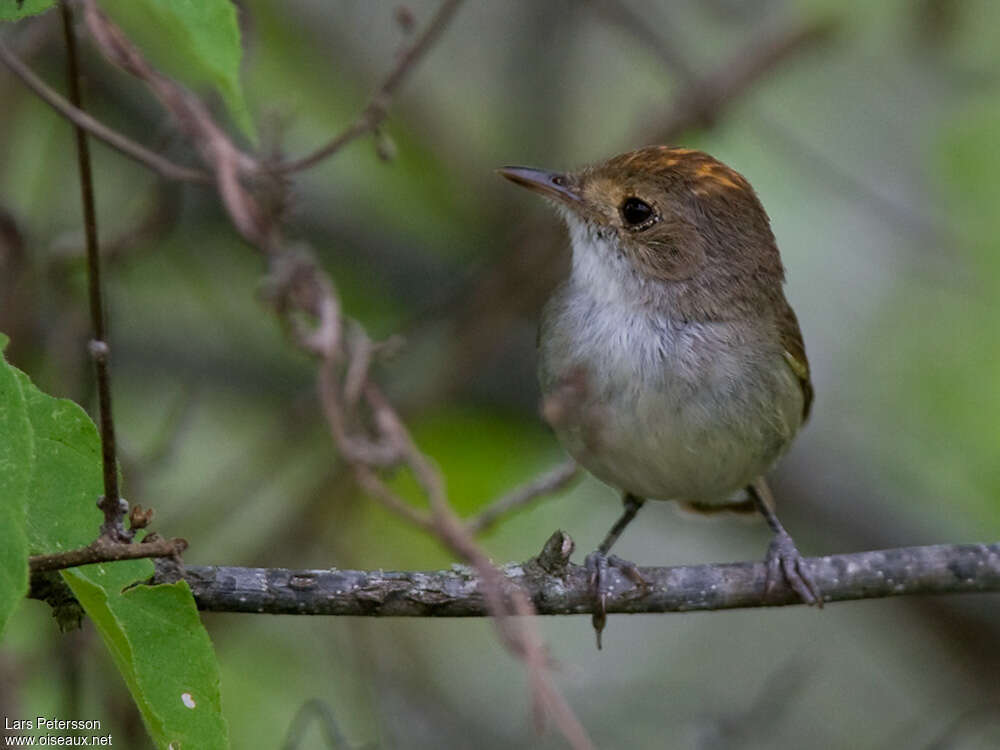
[{"x": 637, "y": 214}]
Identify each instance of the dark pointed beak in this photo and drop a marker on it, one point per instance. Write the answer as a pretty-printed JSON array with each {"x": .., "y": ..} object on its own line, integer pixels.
[{"x": 549, "y": 184}]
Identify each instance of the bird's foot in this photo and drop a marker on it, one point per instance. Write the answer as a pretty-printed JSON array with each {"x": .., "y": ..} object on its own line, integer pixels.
[
  {"x": 598, "y": 565},
  {"x": 784, "y": 561}
]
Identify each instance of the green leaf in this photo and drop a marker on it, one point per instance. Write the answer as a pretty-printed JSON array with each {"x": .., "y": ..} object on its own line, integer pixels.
[
  {"x": 195, "y": 41},
  {"x": 11, "y": 11},
  {"x": 66, "y": 476},
  {"x": 17, "y": 455},
  {"x": 145, "y": 628}
]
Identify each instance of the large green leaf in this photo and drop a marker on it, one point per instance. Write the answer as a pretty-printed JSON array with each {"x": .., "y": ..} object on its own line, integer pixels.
[
  {"x": 17, "y": 455},
  {"x": 11, "y": 11},
  {"x": 144, "y": 627},
  {"x": 196, "y": 41}
]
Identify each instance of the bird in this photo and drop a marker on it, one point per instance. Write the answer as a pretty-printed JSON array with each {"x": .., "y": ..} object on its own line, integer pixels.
[{"x": 671, "y": 365}]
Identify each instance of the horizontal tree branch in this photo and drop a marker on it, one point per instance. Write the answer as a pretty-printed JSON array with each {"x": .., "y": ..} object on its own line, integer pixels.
[{"x": 558, "y": 587}]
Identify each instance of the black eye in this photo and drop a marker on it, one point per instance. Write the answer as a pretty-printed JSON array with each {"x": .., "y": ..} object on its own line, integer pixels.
[{"x": 637, "y": 214}]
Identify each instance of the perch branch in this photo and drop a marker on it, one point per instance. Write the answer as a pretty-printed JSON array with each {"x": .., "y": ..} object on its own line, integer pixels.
[{"x": 558, "y": 587}]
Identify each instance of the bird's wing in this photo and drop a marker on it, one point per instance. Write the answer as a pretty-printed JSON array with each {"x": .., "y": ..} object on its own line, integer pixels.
[{"x": 795, "y": 355}]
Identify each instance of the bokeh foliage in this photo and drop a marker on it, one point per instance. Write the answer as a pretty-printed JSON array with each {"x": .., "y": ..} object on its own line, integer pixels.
[{"x": 876, "y": 160}]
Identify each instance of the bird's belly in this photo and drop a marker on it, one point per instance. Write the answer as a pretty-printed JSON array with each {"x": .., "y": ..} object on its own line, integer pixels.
[
  {"x": 690, "y": 428},
  {"x": 659, "y": 449}
]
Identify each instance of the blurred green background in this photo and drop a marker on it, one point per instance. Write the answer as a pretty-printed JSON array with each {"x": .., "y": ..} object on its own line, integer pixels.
[{"x": 875, "y": 151}]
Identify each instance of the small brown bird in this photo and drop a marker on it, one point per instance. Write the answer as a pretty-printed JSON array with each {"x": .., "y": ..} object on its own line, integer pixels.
[{"x": 671, "y": 365}]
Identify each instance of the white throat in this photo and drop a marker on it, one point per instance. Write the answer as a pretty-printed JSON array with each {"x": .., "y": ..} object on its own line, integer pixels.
[{"x": 600, "y": 268}]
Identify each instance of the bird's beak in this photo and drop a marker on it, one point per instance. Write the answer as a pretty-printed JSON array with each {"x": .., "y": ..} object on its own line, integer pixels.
[{"x": 549, "y": 184}]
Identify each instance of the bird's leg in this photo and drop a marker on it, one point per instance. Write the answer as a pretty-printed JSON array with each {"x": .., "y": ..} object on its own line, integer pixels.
[
  {"x": 632, "y": 505},
  {"x": 783, "y": 558},
  {"x": 599, "y": 561}
]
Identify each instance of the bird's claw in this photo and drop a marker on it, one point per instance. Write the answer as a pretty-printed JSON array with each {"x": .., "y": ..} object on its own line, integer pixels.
[
  {"x": 784, "y": 561},
  {"x": 598, "y": 564}
]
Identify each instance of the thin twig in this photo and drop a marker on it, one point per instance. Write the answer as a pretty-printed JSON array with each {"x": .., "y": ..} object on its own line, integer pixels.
[
  {"x": 324, "y": 717},
  {"x": 916, "y": 223},
  {"x": 96, "y": 128},
  {"x": 557, "y": 587},
  {"x": 377, "y": 108},
  {"x": 548, "y": 483},
  {"x": 379, "y": 490},
  {"x": 101, "y": 550},
  {"x": 111, "y": 503},
  {"x": 701, "y": 100}
]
